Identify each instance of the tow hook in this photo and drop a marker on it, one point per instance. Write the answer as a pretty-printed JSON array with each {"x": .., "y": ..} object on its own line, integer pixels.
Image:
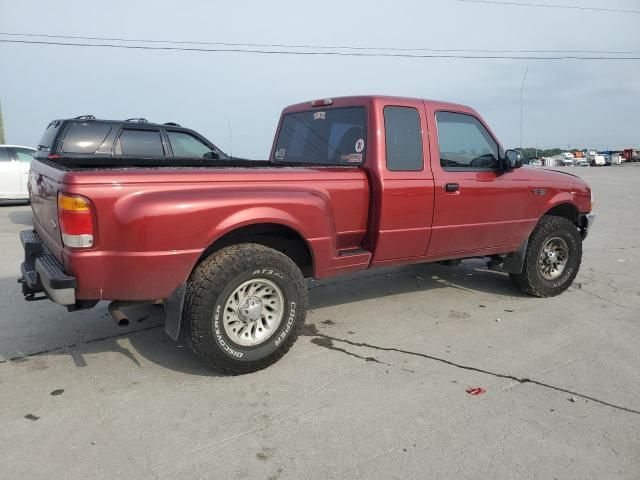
[{"x": 29, "y": 294}]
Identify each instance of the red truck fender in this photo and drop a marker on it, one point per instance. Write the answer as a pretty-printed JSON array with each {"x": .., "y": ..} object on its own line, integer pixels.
[
  {"x": 237, "y": 222},
  {"x": 562, "y": 204}
]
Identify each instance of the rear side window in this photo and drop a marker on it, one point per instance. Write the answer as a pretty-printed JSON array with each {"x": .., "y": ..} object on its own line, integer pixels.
[
  {"x": 25, "y": 155},
  {"x": 140, "y": 143},
  {"x": 403, "y": 137},
  {"x": 186, "y": 145},
  {"x": 323, "y": 137},
  {"x": 49, "y": 135},
  {"x": 465, "y": 143},
  {"x": 85, "y": 137}
]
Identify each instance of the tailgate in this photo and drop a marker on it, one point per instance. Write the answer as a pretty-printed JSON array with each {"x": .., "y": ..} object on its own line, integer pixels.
[{"x": 44, "y": 182}]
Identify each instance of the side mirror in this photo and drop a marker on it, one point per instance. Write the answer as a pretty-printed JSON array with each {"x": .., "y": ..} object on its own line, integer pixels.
[
  {"x": 211, "y": 155},
  {"x": 513, "y": 159}
]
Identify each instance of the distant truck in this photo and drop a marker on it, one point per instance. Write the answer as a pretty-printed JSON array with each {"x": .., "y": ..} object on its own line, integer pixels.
[
  {"x": 352, "y": 183},
  {"x": 567, "y": 159},
  {"x": 596, "y": 159},
  {"x": 631, "y": 155}
]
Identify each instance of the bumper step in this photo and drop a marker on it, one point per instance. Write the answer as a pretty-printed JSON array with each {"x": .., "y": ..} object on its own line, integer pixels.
[{"x": 41, "y": 271}]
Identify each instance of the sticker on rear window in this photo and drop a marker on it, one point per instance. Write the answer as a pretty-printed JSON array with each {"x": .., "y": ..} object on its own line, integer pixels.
[
  {"x": 360, "y": 145},
  {"x": 352, "y": 158},
  {"x": 280, "y": 154},
  {"x": 320, "y": 115}
]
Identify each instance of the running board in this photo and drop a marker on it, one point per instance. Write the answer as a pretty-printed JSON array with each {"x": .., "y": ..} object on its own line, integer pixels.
[{"x": 352, "y": 251}]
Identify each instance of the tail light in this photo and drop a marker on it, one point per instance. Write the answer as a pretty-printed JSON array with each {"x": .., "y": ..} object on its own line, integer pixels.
[{"x": 75, "y": 214}]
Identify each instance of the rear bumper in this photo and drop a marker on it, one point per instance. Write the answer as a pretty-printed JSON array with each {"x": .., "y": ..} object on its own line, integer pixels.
[
  {"x": 585, "y": 222},
  {"x": 42, "y": 272}
]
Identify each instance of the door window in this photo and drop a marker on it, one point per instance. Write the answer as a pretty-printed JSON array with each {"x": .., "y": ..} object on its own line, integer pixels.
[
  {"x": 403, "y": 137},
  {"x": 4, "y": 155},
  {"x": 465, "y": 144},
  {"x": 185, "y": 145},
  {"x": 140, "y": 143}
]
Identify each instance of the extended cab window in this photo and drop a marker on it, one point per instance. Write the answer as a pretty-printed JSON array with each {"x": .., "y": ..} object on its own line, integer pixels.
[
  {"x": 85, "y": 137},
  {"x": 403, "y": 137},
  {"x": 465, "y": 143},
  {"x": 140, "y": 143},
  {"x": 334, "y": 136},
  {"x": 186, "y": 145}
]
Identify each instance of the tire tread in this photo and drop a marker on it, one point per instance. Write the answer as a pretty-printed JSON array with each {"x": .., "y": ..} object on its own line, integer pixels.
[{"x": 528, "y": 281}]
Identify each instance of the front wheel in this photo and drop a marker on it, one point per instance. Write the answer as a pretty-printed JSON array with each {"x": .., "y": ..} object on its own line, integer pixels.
[
  {"x": 244, "y": 307},
  {"x": 552, "y": 260}
]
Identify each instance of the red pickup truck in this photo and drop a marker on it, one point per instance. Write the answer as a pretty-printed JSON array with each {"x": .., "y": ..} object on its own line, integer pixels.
[{"x": 351, "y": 184}]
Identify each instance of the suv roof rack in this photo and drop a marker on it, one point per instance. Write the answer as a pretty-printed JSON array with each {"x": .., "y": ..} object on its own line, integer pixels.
[
  {"x": 84, "y": 117},
  {"x": 138, "y": 120},
  {"x": 172, "y": 124}
]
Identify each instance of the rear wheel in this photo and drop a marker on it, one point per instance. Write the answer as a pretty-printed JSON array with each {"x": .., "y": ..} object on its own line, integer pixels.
[
  {"x": 244, "y": 307},
  {"x": 552, "y": 260}
]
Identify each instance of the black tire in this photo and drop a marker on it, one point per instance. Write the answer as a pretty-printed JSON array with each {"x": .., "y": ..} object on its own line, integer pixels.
[
  {"x": 532, "y": 279},
  {"x": 212, "y": 284}
]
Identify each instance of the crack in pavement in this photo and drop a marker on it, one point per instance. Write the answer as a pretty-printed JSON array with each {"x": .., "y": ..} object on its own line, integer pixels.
[
  {"x": 312, "y": 331},
  {"x": 326, "y": 341},
  {"x": 73, "y": 345},
  {"x": 605, "y": 299}
]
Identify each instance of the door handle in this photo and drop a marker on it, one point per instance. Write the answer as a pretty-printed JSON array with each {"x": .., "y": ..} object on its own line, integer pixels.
[{"x": 451, "y": 187}]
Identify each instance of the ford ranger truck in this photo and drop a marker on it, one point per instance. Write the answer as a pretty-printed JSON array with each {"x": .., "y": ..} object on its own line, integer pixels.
[{"x": 351, "y": 184}]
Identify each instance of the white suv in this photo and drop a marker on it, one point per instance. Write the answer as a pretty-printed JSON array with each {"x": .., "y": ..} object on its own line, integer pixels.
[{"x": 15, "y": 162}]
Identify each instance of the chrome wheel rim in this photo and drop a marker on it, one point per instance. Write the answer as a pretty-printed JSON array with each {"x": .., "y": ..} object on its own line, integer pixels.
[
  {"x": 553, "y": 258},
  {"x": 253, "y": 312}
]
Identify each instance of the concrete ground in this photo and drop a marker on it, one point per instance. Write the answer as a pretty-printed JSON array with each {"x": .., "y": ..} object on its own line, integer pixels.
[{"x": 374, "y": 389}]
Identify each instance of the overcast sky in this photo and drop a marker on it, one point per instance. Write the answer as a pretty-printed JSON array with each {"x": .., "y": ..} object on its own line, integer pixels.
[{"x": 577, "y": 103}]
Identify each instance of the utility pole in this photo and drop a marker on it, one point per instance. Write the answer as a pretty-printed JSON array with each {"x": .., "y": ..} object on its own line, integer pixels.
[
  {"x": 521, "y": 111},
  {"x": 1, "y": 127}
]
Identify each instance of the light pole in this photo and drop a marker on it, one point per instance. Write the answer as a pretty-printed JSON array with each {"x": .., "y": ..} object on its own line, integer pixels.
[{"x": 521, "y": 111}]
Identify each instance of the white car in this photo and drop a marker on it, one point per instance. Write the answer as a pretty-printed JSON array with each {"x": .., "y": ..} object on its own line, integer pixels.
[{"x": 15, "y": 162}]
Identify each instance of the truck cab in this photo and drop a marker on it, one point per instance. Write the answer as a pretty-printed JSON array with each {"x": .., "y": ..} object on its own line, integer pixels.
[{"x": 441, "y": 183}]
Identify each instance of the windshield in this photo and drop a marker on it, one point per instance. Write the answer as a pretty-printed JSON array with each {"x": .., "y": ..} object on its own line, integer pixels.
[{"x": 323, "y": 137}]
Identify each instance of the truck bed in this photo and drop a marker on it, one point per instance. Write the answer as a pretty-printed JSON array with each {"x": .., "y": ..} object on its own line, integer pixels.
[{"x": 153, "y": 223}]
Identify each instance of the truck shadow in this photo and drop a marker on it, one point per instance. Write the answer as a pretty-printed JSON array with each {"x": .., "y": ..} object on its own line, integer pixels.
[
  {"x": 21, "y": 217},
  {"x": 145, "y": 340},
  {"x": 471, "y": 276},
  {"x": 36, "y": 332}
]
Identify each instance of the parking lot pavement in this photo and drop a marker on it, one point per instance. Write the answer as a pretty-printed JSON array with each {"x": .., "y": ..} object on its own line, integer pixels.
[{"x": 375, "y": 388}]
